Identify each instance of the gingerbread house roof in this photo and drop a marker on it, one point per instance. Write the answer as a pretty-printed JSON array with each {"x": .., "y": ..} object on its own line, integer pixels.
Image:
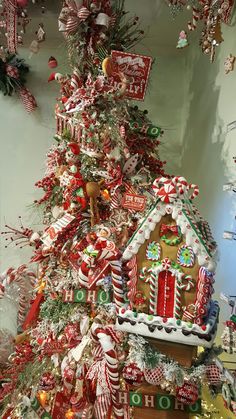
[{"x": 195, "y": 229}]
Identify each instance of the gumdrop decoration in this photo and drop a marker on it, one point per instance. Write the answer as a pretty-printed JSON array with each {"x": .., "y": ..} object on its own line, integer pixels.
[
  {"x": 182, "y": 41},
  {"x": 185, "y": 256},
  {"x": 153, "y": 251}
]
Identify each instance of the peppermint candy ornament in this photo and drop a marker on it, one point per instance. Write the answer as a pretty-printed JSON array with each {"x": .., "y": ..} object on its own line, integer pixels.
[
  {"x": 213, "y": 375},
  {"x": 167, "y": 193},
  {"x": 154, "y": 376},
  {"x": 166, "y": 263},
  {"x": 187, "y": 393},
  {"x": 132, "y": 374}
]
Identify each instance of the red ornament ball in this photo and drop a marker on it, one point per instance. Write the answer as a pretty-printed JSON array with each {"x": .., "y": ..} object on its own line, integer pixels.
[
  {"x": 187, "y": 393},
  {"x": 213, "y": 375},
  {"x": 155, "y": 375},
  {"x": 132, "y": 374}
]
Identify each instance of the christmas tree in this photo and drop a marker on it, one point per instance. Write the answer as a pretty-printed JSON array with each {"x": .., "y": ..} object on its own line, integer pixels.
[{"x": 104, "y": 194}]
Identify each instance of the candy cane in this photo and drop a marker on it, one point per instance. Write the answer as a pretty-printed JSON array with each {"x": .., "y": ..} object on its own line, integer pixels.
[
  {"x": 153, "y": 291},
  {"x": 22, "y": 277},
  {"x": 133, "y": 277},
  {"x": 181, "y": 184},
  {"x": 195, "y": 191},
  {"x": 103, "y": 336},
  {"x": 189, "y": 284},
  {"x": 159, "y": 181}
]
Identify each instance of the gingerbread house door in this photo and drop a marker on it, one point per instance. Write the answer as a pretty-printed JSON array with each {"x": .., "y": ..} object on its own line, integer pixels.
[{"x": 165, "y": 294}]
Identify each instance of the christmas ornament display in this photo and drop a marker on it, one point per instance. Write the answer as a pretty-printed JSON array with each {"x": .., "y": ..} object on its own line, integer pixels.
[{"x": 122, "y": 248}]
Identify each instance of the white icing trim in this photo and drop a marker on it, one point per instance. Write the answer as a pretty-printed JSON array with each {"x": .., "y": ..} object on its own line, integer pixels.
[{"x": 142, "y": 321}]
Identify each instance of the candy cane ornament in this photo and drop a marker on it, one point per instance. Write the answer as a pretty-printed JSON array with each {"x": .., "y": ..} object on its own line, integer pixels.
[{"x": 103, "y": 336}]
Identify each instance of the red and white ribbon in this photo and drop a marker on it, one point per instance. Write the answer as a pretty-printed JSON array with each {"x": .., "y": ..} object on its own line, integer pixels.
[{"x": 27, "y": 99}]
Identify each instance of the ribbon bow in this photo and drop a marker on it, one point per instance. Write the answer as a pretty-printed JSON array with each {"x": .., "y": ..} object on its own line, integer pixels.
[
  {"x": 166, "y": 228},
  {"x": 77, "y": 13}
]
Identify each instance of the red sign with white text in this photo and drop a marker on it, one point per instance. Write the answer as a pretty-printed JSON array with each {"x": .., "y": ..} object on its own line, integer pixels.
[
  {"x": 134, "y": 202},
  {"x": 136, "y": 68}
]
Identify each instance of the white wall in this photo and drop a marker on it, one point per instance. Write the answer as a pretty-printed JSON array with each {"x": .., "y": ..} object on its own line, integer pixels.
[
  {"x": 207, "y": 155},
  {"x": 25, "y": 138}
]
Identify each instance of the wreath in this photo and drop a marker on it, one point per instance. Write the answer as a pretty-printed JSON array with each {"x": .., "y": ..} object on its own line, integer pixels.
[{"x": 174, "y": 229}]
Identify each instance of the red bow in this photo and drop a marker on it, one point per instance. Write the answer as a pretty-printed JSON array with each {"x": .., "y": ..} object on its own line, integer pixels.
[{"x": 166, "y": 228}]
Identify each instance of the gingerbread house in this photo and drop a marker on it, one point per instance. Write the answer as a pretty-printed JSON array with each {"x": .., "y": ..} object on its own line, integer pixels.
[{"x": 170, "y": 263}]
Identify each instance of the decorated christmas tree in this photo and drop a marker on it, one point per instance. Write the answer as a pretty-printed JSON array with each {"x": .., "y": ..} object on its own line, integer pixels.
[{"x": 125, "y": 265}]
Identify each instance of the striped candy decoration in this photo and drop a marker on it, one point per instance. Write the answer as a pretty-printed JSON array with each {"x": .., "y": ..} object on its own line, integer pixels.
[
  {"x": 153, "y": 292},
  {"x": 122, "y": 131},
  {"x": 27, "y": 99},
  {"x": 133, "y": 277},
  {"x": 178, "y": 304},
  {"x": 25, "y": 280},
  {"x": 204, "y": 292},
  {"x": 181, "y": 184},
  {"x": 83, "y": 14},
  {"x": 105, "y": 336},
  {"x": 75, "y": 79}
]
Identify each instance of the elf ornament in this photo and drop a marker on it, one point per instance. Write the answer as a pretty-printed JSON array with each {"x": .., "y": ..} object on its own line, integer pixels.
[{"x": 132, "y": 374}]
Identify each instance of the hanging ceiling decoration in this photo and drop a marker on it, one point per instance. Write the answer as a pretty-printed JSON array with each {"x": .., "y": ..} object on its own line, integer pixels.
[{"x": 209, "y": 16}]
